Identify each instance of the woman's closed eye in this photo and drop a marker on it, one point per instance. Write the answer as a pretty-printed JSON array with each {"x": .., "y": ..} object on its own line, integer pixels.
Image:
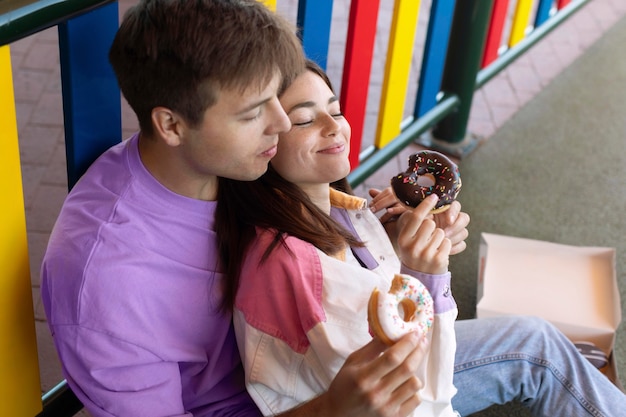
[
  {"x": 302, "y": 123},
  {"x": 308, "y": 120}
]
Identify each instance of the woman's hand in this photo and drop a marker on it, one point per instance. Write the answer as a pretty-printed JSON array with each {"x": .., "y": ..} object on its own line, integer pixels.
[
  {"x": 375, "y": 381},
  {"x": 422, "y": 246}
]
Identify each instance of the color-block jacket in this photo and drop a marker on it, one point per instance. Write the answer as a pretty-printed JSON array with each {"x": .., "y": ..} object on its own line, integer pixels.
[{"x": 300, "y": 314}]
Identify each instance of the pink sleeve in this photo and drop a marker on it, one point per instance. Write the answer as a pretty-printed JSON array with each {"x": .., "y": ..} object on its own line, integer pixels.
[{"x": 288, "y": 284}]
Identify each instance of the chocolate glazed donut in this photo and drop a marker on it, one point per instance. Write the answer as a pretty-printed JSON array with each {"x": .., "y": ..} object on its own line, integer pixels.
[{"x": 429, "y": 172}]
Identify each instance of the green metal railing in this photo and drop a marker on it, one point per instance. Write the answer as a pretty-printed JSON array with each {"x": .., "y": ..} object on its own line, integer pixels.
[
  {"x": 21, "y": 18},
  {"x": 449, "y": 118}
]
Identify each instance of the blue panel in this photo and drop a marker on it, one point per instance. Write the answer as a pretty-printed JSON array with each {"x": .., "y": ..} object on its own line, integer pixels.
[
  {"x": 91, "y": 96},
  {"x": 314, "y": 19},
  {"x": 543, "y": 11},
  {"x": 433, "y": 61}
]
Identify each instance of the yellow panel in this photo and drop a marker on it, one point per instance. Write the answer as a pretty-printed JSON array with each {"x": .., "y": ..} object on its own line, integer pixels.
[
  {"x": 270, "y": 3},
  {"x": 20, "y": 388},
  {"x": 397, "y": 70},
  {"x": 520, "y": 21}
]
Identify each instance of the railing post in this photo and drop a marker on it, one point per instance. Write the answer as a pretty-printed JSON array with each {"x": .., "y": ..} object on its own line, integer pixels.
[
  {"x": 313, "y": 20},
  {"x": 91, "y": 98},
  {"x": 465, "y": 49},
  {"x": 19, "y": 370}
]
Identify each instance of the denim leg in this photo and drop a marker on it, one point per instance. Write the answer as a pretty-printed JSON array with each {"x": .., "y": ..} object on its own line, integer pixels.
[{"x": 503, "y": 359}]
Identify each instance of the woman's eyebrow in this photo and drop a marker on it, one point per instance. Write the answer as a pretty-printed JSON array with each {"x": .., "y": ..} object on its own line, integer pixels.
[
  {"x": 304, "y": 104},
  {"x": 309, "y": 104}
]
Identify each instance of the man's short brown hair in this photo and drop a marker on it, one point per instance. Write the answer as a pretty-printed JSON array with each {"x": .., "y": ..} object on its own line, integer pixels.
[{"x": 180, "y": 53}]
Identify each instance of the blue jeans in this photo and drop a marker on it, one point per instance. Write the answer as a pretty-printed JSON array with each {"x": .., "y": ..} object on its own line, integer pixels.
[{"x": 526, "y": 359}]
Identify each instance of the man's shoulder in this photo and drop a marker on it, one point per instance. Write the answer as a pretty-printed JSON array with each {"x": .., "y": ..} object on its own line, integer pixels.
[{"x": 106, "y": 169}]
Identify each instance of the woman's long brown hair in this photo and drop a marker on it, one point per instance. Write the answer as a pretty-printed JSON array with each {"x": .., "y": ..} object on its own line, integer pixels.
[{"x": 273, "y": 203}]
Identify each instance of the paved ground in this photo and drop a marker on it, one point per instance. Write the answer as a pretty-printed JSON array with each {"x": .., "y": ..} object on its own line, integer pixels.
[{"x": 40, "y": 120}]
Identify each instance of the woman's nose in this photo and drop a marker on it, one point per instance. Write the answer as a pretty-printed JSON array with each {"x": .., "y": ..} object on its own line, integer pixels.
[{"x": 331, "y": 126}]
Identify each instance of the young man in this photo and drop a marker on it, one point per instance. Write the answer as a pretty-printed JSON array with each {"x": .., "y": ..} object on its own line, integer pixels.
[{"x": 130, "y": 281}]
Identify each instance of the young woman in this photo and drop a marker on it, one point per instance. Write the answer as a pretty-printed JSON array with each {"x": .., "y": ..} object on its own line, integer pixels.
[
  {"x": 299, "y": 308},
  {"x": 303, "y": 259}
]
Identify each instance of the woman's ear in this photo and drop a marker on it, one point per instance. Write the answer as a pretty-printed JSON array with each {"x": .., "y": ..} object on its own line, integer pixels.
[{"x": 168, "y": 125}]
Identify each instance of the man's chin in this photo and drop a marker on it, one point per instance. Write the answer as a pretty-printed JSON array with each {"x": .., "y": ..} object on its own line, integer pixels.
[{"x": 250, "y": 175}]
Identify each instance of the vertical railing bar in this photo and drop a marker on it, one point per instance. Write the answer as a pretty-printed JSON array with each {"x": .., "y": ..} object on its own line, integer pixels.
[
  {"x": 562, "y": 4},
  {"x": 467, "y": 41},
  {"x": 397, "y": 70},
  {"x": 313, "y": 20},
  {"x": 271, "y": 4},
  {"x": 91, "y": 99},
  {"x": 19, "y": 367},
  {"x": 434, "y": 57},
  {"x": 533, "y": 37},
  {"x": 544, "y": 9},
  {"x": 521, "y": 21},
  {"x": 357, "y": 69},
  {"x": 495, "y": 31}
]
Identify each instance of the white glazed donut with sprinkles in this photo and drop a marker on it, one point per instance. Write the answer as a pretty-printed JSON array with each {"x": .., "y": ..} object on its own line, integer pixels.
[
  {"x": 429, "y": 172},
  {"x": 407, "y": 307}
]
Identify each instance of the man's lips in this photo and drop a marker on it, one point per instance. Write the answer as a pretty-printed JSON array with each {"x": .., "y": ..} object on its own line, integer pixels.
[{"x": 270, "y": 152}]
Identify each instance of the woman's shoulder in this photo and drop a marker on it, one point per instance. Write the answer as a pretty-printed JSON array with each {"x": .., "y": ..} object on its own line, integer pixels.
[
  {"x": 288, "y": 283},
  {"x": 265, "y": 237}
]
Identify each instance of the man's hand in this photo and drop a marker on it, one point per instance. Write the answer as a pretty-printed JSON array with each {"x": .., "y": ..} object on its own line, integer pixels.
[
  {"x": 386, "y": 200},
  {"x": 454, "y": 223}
]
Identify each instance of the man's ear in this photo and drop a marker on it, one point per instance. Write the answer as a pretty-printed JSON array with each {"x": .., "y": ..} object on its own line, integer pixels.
[{"x": 168, "y": 125}]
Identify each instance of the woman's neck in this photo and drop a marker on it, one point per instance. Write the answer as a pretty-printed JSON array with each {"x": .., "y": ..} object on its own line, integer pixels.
[{"x": 319, "y": 195}]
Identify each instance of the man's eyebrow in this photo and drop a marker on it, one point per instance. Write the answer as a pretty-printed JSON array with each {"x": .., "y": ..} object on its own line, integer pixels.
[
  {"x": 254, "y": 105},
  {"x": 308, "y": 104}
]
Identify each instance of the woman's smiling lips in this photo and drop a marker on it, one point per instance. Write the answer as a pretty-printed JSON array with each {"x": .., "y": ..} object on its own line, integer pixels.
[{"x": 336, "y": 148}]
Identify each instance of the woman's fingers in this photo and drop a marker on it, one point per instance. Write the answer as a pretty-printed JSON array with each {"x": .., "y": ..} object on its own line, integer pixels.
[{"x": 378, "y": 380}]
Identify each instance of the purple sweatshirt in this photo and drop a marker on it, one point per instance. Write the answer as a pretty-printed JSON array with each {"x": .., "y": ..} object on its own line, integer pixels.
[{"x": 132, "y": 297}]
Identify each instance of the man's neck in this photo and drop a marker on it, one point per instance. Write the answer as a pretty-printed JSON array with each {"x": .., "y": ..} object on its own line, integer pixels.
[{"x": 165, "y": 165}]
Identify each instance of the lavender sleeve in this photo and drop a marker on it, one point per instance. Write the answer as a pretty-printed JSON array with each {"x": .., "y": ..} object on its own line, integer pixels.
[{"x": 438, "y": 286}]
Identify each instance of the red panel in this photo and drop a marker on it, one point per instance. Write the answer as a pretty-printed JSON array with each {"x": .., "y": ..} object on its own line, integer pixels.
[
  {"x": 562, "y": 3},
  {"x": 357, "y": 69},
  {"x": 494, "y": 35}
]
